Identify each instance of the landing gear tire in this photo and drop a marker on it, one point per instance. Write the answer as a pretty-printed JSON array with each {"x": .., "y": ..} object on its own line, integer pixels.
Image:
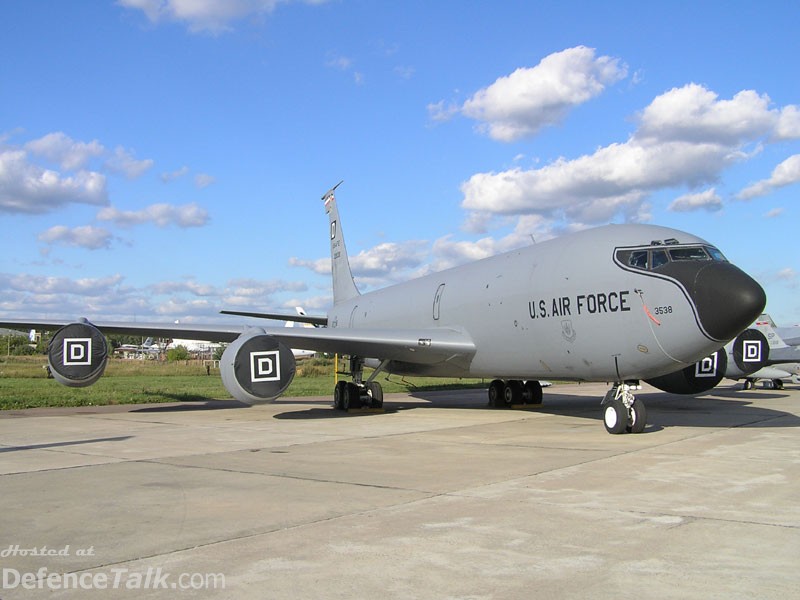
[
  {"x": 777, "y": 384},
  {"x": 637, "y": 418},
  {"x": 496, "y": 394},
  {"x": 748, "y": 384},
  {"x": 352, "y": 397},
  {"x": 533, "y": 393},
  {"x": 615, "y": 417},
  {"x": 512, "y": 392},
  {"x": 338, "y": 395},
  {"x": 375, "y": 394}
]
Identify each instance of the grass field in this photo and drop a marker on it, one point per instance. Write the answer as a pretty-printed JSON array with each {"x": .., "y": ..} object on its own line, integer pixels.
[{"x": 24, "y": 383}]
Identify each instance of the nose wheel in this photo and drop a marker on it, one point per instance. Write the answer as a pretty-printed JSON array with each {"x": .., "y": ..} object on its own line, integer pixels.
[{"x": 622, "y": 413}]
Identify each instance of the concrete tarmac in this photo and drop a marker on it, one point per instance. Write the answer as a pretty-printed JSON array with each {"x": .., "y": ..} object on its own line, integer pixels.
[{"x": 438, "y": 497}]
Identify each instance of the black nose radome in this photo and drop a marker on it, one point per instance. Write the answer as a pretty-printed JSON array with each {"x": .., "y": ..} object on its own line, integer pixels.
[{"x": 727, "y": 299}]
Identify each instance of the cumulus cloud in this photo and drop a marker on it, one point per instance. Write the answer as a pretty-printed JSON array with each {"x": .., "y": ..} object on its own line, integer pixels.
[
  {"x": 202, "y": 180},
  {"x": 87, "y": 236},
  {"x": 686, "y": 137},
  {"x": 60, "y": 148},
  {"x": 163, "y": 215},
  {"x": 786, "y": 173},
  {"x": 522, "y": 103},
  {"x": 122, "y": 161},
  {"x": 696, "y": 115},
  {"x": 186, "y": 299},
  {"x": 380, "y": 265},
  {"x": 788, "y": 127},
  {"x": 190, "y": 286},
  {"x": 61, "y": 285},
  {"x": 320, "y": 266},
  {"x": 26, "y": 187},
  {"x": 257, "y": 293},
  {"x": 211, "y": 16},
  {"x": 708, "y": 200},
  {"x": 172, "y": 176}
]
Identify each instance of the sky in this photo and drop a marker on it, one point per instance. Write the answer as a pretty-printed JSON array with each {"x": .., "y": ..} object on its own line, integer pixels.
[{"x": 163, "y": 160}]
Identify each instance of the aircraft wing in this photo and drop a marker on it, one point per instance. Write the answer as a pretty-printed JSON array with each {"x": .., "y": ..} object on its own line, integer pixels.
[
  {"x": 190, "y": 331},
  {"x": 420, "y": 346},
  {"x": 312, "y": 320},
  {"x": 790, "y": 354}
]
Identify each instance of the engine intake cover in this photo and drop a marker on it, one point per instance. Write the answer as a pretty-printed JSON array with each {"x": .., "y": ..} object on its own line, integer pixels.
[
  {"x": 750, "y": 351},
  {"x": 77, "y": 354},
  {"x": 257, "y": 368},
  {"x": 694, "y": 379}
]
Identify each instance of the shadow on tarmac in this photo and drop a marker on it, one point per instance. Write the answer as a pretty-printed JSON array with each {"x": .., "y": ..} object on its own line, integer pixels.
[
  {"x": 725, "y": 408},
  {"x": 192, "y": 405},
  {"x": 121, "y": 438}
]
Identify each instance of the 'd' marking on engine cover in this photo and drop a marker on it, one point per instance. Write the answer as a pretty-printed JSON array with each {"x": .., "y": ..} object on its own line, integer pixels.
[
  {"x": 706, "y": 367},
  {"x": 751, "y": 349},
  {"x": 265, "y": 366},
  {"x": 77, "y": 351}
]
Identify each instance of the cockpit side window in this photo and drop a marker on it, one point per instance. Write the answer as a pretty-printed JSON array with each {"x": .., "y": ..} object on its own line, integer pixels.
[{"x": 638, "y": 259}]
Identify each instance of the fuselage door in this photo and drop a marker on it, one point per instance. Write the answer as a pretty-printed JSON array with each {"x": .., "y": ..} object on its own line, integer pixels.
[{"x": 437, "y": 300}]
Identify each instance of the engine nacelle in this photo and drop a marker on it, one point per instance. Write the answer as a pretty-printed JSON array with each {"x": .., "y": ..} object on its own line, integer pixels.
[
  {"x": 694, "y": 379},
  {"x": 748, "y": 353},
  {"x": 257, "y": 368},
  {"x": 77, "y": 354}
]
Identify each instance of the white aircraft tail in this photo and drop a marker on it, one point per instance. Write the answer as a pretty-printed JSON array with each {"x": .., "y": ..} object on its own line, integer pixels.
[
  {"x": 766, "y": 325},
  {"x": 344, "y": 288}
]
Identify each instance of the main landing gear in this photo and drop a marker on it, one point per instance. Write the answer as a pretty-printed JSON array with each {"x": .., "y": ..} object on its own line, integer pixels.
[
  {"x": 349, "y": 395},
  {"x": 505, "y": 394},
  {"x": 622, "y": 412}
]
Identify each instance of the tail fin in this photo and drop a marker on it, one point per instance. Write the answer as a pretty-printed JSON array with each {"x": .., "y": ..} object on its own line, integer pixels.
[
  {"x": 344, "y": 288},
  {"x": 766, "y": 325}
]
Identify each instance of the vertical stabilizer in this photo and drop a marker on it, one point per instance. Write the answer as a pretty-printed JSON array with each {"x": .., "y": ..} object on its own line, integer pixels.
[
  {"x": 344, "y": 288},
  {"x": 766, "y": 325}
]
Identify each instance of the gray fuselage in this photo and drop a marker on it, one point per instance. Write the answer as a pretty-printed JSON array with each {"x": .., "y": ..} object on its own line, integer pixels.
[{"x": 578, "y": 307}]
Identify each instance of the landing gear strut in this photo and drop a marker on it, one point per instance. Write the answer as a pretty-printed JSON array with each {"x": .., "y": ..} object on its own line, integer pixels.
[
  {"x": 348, "y": 395},
  {"x": 622, "y": 412}
]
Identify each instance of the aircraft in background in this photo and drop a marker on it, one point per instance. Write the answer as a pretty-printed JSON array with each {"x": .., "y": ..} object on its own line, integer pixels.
[
  {"x": 619, "y": 303},
  {"x": 147, "y": 349},
  {"x": 783, "y": 362}
]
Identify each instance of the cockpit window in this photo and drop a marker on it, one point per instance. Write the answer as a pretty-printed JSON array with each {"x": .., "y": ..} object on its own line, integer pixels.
[
  {"x": 651, "y": 258},
  {"x": 659, "y": 258},
  {"x": 716, "y": 254},
  {"x": 638, "y": 259},
  {"x": 690, "y": 253}
]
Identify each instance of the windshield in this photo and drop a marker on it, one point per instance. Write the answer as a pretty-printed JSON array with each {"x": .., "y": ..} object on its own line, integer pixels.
[{"x": 653, "y": 257}]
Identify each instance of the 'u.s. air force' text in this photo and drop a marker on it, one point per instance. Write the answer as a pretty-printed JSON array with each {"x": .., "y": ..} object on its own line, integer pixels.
[{"x": 568, "y": 306}]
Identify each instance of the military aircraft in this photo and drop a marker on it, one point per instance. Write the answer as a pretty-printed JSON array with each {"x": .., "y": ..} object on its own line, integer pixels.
[
  {"x": 147, "y": 349},
  {"x": 783, "y": 362},
  {"x": 619, "y": 303}
]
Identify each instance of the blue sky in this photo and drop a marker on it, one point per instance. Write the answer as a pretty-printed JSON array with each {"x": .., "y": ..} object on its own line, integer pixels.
[{"x": 165, "y": 159}]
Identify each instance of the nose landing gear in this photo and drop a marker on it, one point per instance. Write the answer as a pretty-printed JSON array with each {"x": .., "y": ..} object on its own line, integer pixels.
[{"x": 621, "y": 411}]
